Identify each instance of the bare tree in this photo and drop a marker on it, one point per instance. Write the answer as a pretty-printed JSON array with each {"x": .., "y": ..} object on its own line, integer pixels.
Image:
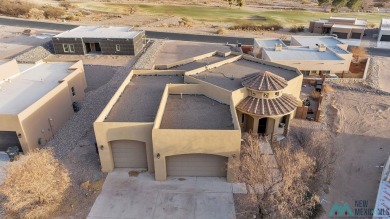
[
  {"x": 277, "y": 185},
  {"x": 35, "y": 185},
  {"x": 359, "y": 52}
]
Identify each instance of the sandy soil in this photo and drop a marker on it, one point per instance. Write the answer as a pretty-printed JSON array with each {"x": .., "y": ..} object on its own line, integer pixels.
[
  {"x": 363, "y": 144},
  {"x": 13, "y": 43},
  {"x": 382, "y": 66}
]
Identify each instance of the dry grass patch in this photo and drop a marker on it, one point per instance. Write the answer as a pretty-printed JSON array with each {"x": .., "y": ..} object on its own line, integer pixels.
[
  {"x": 221, "y": 31},
  {"x": 35, "y": 185},
  {"x": 315, "y": 95},
  {"x": 327, "y": 88}
]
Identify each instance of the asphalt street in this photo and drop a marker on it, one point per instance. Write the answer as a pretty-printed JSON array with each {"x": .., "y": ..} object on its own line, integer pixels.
[{"x": 158, "y": 35}]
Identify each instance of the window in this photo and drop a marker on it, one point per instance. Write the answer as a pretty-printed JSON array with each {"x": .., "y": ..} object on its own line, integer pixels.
[
  {"x": 266, "y": 95},
  {"x": 66, "y": 47},
  {"x": 253, "y": 93},
  {"x": 73, "y": 91},
  {"x": 71, "y": 48},
  {"x": 242, "y": 118},
  {"x": 276, "y": 93},
  {"x": 118, "y": 47}
]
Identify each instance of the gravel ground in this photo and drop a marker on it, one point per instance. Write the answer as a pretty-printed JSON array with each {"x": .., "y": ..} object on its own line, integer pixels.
[
  {"x": 147, "y": 60},
  {"x": 74, "y": 146},
  {"x": 36, "y": 54},
  {"x": 98, "y": 76}
]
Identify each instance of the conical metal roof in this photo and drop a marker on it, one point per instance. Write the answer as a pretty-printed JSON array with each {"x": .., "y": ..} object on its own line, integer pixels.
[
  {"x": 264, "y": 81},
  {"x": 268, "y": 107}
]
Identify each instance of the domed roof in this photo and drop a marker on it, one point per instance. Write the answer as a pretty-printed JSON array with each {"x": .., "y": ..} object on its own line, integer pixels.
[
  {"x": 264, "y": 81},
  {"x": 268, "y": 107}
]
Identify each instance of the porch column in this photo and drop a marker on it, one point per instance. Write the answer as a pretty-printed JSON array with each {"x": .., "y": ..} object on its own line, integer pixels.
[
  {"x": 255, "y": 124},
  {"x": 275, "y": 128}
]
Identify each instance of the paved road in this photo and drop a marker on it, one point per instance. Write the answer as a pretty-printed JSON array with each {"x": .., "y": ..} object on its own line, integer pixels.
[
  {"x": 157, "y": 35},
  {"x": 150, "y": 34}
]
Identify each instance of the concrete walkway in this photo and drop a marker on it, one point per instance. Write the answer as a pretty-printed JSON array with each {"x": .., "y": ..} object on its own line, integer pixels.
[{"x": 123, "y": 196}]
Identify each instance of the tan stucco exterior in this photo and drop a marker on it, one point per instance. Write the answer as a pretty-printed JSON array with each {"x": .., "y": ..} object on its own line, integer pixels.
[
  {"x": 162, "y": 143},
  {"x": 343, "y": 27},
  {"x": 36, "y": 124}
]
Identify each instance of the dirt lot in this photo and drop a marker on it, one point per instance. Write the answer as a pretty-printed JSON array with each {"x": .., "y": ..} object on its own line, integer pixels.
[
  {"x": 382, "y": 66},
  {"x": 361, "y": 125}
]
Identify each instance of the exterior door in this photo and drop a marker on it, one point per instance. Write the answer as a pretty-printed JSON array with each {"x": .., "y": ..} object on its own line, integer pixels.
[
  {"x": 196, "y": 165},
  {"x": 262, "y": 126},
  {"x": 9, "y": 139},
  {"x": 129, "y": 154}
]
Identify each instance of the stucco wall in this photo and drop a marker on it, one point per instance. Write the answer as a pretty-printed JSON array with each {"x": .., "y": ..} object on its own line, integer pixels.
[
  {"x": 107, "y": 132},
  {"x": 8, "y": 69},
  {"x": 168, "y": 142}
]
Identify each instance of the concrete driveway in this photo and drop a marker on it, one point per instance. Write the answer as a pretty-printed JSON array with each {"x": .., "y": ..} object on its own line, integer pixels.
[
  {"x": 4, "y": 160},
  {"x": 123, "y": 196}
]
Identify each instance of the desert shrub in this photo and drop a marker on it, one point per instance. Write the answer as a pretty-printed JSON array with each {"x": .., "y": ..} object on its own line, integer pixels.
[
  {"x": 327, "y": 88},
  {"x": 315, "y": 94},
  {"x": 72, "y": 17},
  {"x": 53, "y": 12},
  {"x": 35, "y": 13},
  {"x": 221, "y": 31},
  {"x": 371, "y": 25},
  {"x": 16, "y": 8},
  {"x": 185, "y": 21},
  {"x": 35, "y": 185},
  {"x": 254, "y": 27},
  {"x": 66, "y": 4},
  {"x": 295, "y": 29}
]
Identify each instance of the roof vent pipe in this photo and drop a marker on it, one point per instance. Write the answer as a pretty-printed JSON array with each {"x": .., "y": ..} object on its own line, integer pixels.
[
  {"x": 322, "y": 48},
  {"x": 278, "y": 47}
]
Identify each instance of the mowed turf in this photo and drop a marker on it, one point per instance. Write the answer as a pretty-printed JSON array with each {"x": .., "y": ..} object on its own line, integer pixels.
[{"x": 225, "y": 14}]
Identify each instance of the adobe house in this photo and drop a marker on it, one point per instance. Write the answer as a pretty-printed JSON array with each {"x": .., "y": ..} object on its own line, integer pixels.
[
  {"x": 84, "y": 40},
  {"x": 343, "y": 27},
  {"x": 36, "y": 100},
  {"x": 312, "y": 55},
  {"x": 384, "y": 33},
  {"x": 178, "y": 123}
]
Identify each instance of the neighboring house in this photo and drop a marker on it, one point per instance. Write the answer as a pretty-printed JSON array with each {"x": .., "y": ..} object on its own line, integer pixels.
[
  {"x": 343, "y": 27},
  {"x": 384, "y": 33},
  {"x": 382, "y": 204},
  {"x": 312, "y": 55},
  {"x": 189, "y": 120},
  {"x": 99, "y": 40},
  {"x": 36, "y": 100}
]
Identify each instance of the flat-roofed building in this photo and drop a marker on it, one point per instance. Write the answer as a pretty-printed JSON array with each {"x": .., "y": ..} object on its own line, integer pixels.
[
  {"x": 99, "y": 40},
  {"x": 36, "y": 99},
  {"x": 384, "y": 33},
  {"x": 188, "y": 119},
  {"x": 343, "y": 27},
  {"x": 312, "y": 55}
]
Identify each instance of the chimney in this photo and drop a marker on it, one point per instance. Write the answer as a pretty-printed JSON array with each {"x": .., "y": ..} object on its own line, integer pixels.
[
  {"x": 322, "y": 48},
  {"x": 278, "y": 47}
]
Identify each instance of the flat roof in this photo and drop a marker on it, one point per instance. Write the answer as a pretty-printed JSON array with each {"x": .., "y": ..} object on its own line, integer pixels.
[
  {"x": 269, "y": 42},
  {"x": 385, "y": 24},
  {"x": 201, "y": 63},
  {"x": 141, "y": 98},
  {"x": 314, "y": 41},
  {"x": 31, "y": 85},
  {"x": 196, "y": 112},
  {"x": 229, "y": 76},
  {"x": 100, "y": 32},
  {"x": 298, "y": 53},
  {"x": 348, "y": 26}
]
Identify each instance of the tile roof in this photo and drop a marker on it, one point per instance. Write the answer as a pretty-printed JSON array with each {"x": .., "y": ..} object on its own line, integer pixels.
[
  {"x": 268, "y": 107},
  {"x": 264, "y": 81}
]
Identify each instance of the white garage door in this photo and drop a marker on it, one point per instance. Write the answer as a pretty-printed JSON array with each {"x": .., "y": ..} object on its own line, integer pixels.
[
  {"x": 196, "y": 165},
  {"x": 129, "y": 154}
]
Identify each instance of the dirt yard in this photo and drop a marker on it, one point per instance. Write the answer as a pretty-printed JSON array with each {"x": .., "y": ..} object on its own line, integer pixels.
[
  {"x": 382, "y": 65},
  {"x": 361, "y": 124}
]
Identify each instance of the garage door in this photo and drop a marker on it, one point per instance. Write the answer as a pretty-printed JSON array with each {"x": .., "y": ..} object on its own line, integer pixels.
[
  {"x": 129, "y": 154},
  {"x": 196, "y": 165},
  {"x": 356, "y": 35},
  {"x": 9, "y": 139},
  {"x": 341, "y": 35}
]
